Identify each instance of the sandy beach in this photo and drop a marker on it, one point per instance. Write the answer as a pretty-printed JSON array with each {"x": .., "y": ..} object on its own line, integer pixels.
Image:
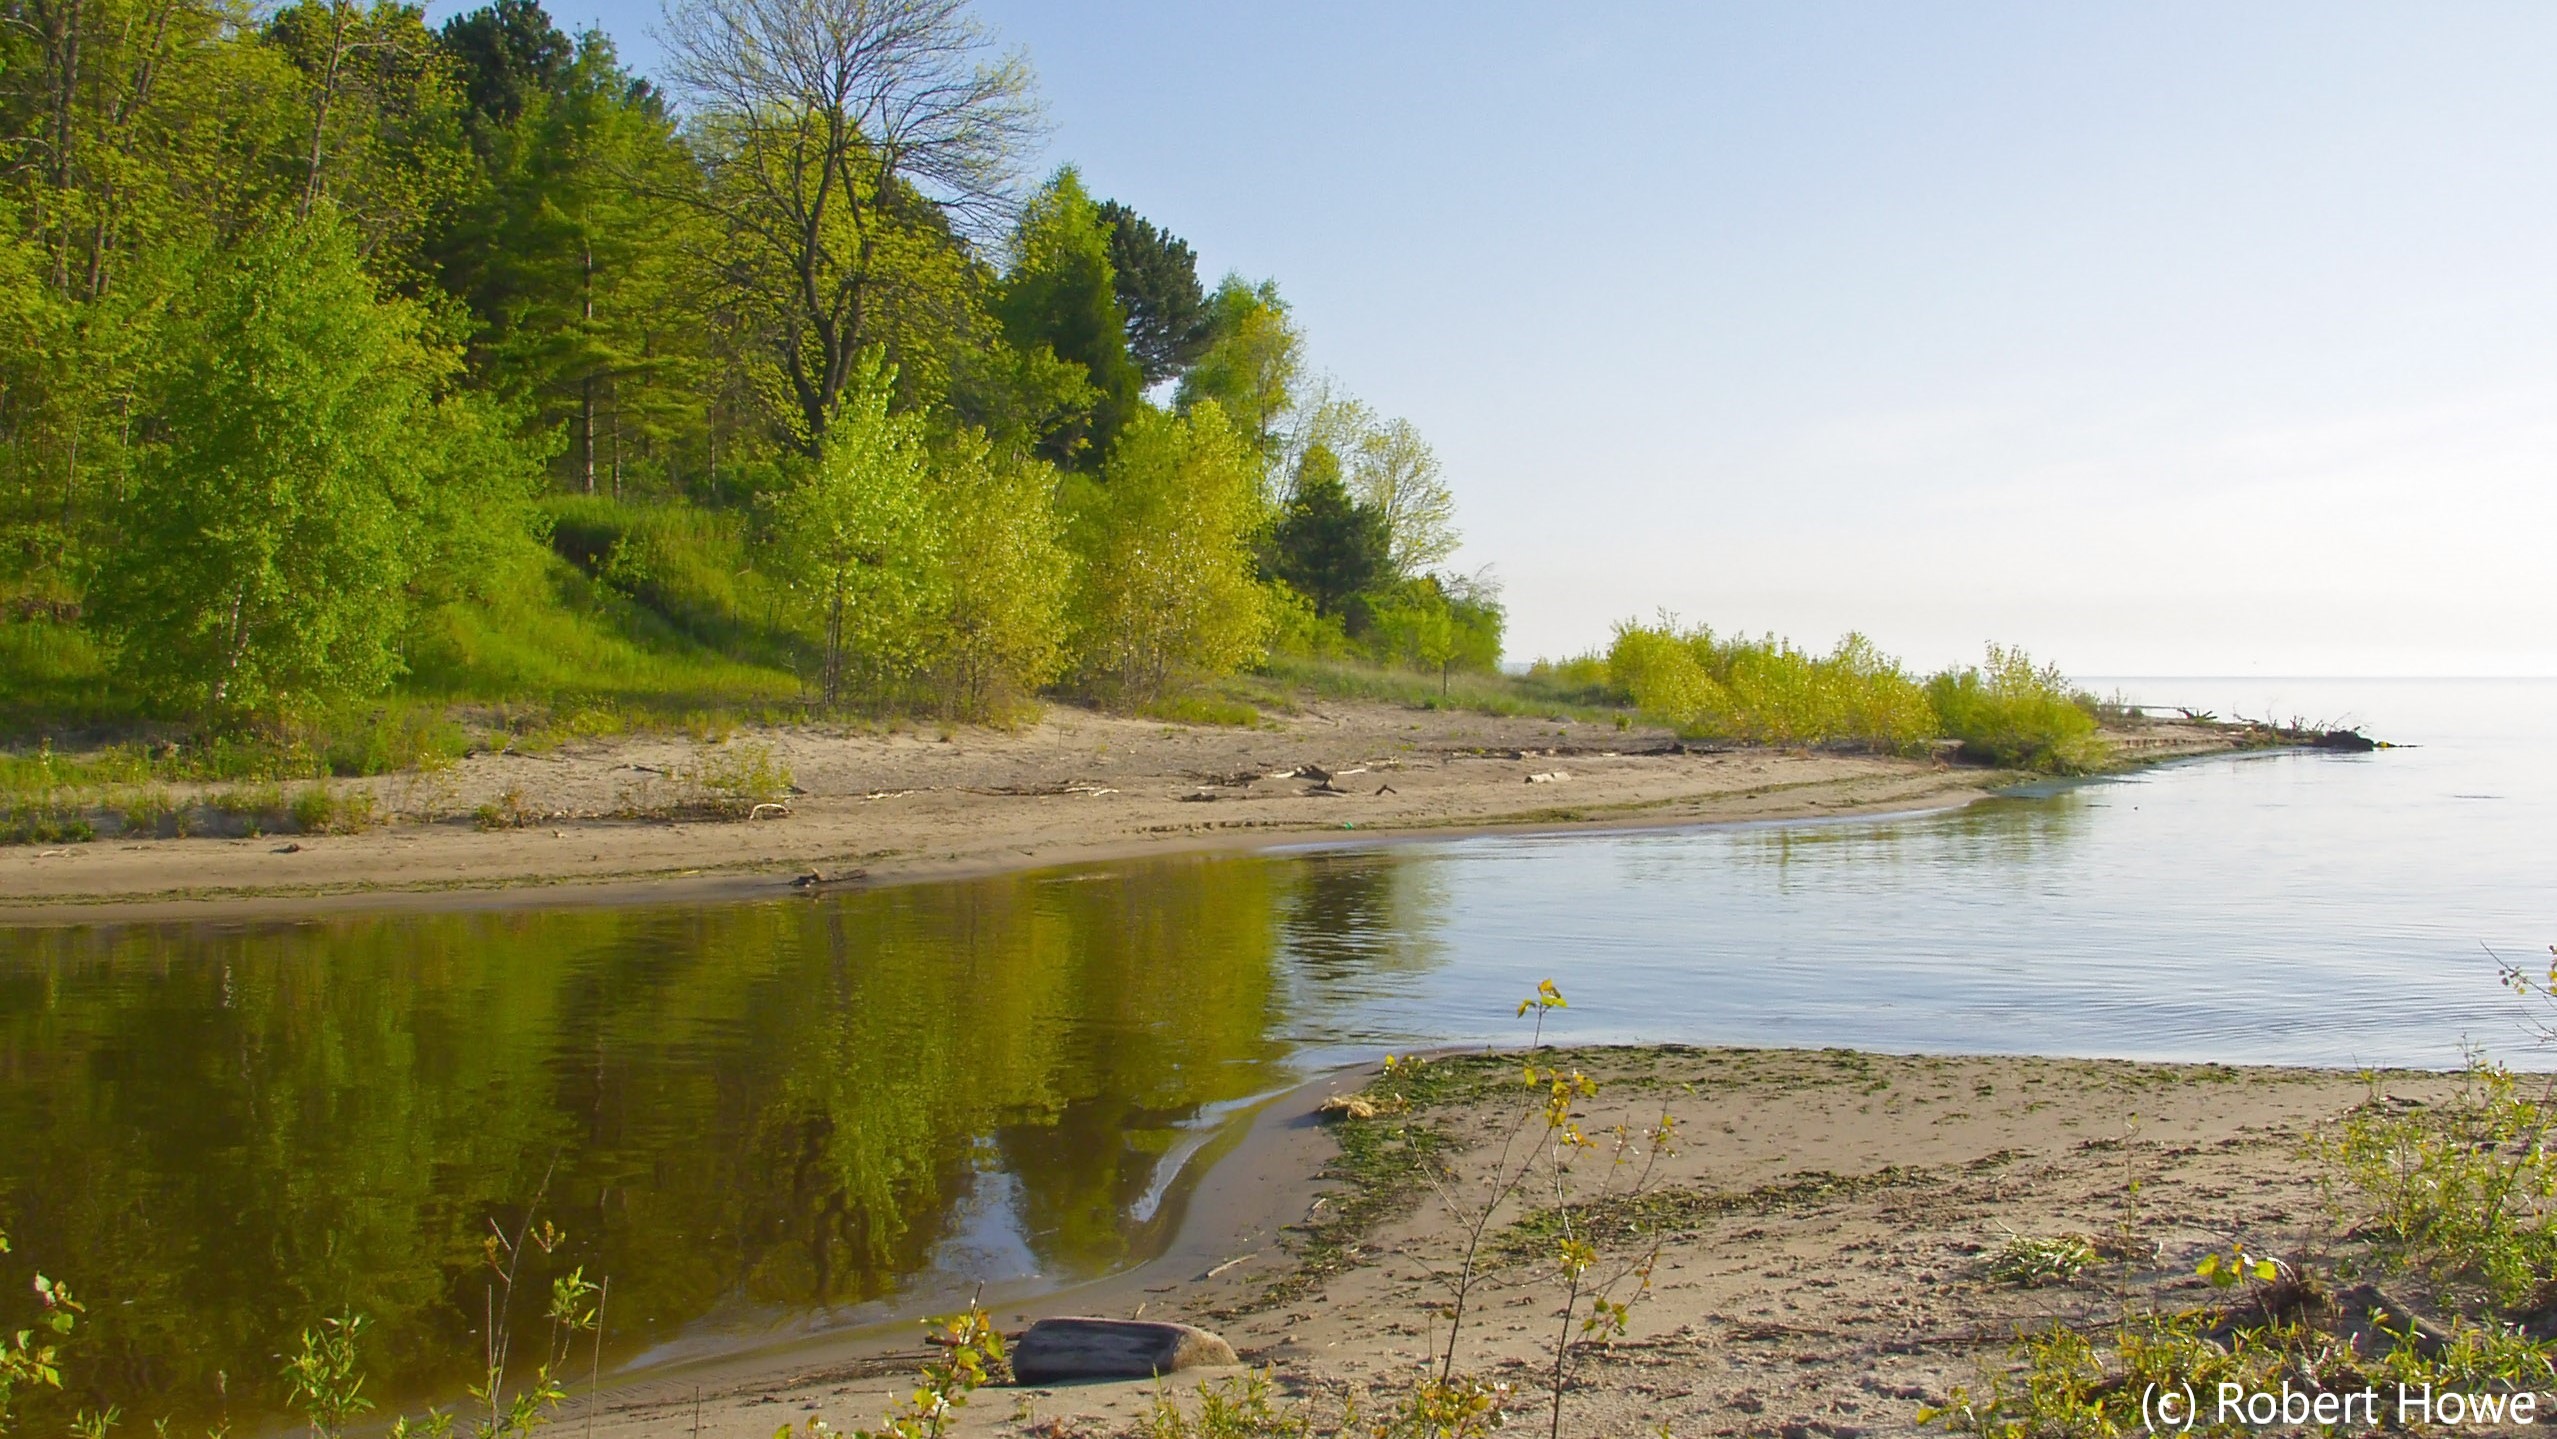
[
  {"x": 1828, "y": 1221},
  {"x": 603, "y": 821}
]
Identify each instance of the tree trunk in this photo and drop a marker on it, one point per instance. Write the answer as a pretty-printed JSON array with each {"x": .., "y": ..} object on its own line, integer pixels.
[
  {"x": 339, "y": 13},
  {"x": 586, "y": 387}
]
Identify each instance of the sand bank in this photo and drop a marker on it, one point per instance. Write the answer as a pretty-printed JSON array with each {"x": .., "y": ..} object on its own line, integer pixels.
[
  {"x": 1825, "y": 1272},
  {"x": 1079, "y": 785}
]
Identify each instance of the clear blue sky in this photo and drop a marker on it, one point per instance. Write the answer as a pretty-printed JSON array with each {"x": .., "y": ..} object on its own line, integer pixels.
[{"x": 2167, "y": 338}]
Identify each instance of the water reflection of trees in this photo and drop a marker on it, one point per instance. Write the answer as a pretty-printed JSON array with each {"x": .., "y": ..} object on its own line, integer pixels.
[
  {"x": 1359, "y": 924},
  {"x": 223, "y": 1134},
  {"x": 1999, "y": 831}
]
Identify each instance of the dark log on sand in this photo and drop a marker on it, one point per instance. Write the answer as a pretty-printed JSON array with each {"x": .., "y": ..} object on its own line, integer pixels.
[{"x": 1075, "y": 1348}]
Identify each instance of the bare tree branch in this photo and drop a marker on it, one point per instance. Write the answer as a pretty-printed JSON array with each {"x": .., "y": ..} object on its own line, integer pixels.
[{"x": 823, "y": 125}]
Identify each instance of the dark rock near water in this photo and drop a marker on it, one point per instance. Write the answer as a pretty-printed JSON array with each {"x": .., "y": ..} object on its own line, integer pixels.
[
  {"x": 2347, "y": 740},
  {"x": 1077, "y": 1348}
]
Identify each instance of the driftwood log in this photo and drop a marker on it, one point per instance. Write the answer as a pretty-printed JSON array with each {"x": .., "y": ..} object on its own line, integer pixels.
[{"x": 1076, "y": 1348}]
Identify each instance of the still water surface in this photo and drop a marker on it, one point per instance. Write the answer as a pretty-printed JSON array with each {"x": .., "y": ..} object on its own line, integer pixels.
[{"x": 763, "y": 1118}]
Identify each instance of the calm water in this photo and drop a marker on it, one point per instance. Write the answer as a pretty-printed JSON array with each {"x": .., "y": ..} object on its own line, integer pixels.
[{"x": 759, "y": 1119}]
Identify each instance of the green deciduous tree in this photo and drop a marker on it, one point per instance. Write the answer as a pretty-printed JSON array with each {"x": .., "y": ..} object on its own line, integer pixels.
[
  {"x": 844, "y": 144},
  {"x": 1060, "y": 295},
  {"x": 1394, "y": 472},
  {"x": 273, "y": 530},
  {"x": 577, "y": 270},
  {"x": 1253, "y": 363},
  {"x": 1437, "y": 623},
  {"x": 1167, "y": 586},
  {"x": 857, "y": 539},
  {"x": 1003, "y": 588},
  {"x": 382, "y": 122}
]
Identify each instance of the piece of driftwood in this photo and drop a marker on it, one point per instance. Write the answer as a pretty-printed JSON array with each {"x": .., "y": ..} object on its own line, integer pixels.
[{"x": 1054, "y": 1350}]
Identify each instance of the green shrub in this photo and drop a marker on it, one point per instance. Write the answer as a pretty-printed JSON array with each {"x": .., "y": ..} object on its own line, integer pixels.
[
  {"x": 143, "y": 813},
  {"x": 1202, "y": 709},
  {"x": 1765, "y": 691},
  {"x": 2012, "y": 714},
  {"x": 318, "y": 810},
  {"x": 734, "y": 778}
]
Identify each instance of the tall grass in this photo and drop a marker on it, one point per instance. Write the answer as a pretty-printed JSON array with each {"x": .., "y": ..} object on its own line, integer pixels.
[
  {"x": 1533, "y": 694},
  {"x": 689, "y": 567},
  {"x": 576, "y": 639}
]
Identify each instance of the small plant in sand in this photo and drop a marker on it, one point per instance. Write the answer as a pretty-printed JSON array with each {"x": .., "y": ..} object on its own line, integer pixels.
[
  {"x": 508, "y": 810},
  {"x": 1598, "y": 1298},
  {"x": 1245, "y": 1407},
  {"x": 1543, "y": 1147},
  {"x": 1476, "y": 1208},
  {"x": 971, "y": 1358},
  {"x": 736, "y": 778},
  {"x": 2030, "y": 1261}
]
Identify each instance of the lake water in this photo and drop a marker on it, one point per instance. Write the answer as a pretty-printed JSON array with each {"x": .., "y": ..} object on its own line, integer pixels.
[{"x": 759, "y": 1119}]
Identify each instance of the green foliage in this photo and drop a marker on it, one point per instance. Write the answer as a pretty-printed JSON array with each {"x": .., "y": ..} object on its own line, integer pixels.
[
  {"x": 296, "y": 310},
  {"x": 567, "y": 639},
  {"x": 693, "y": 567},
  {"x": 1168, "y": 592},
  {"x": 1765, "y": 691},
  {"x": 1435, "y": 625},
  {"x": 1158, "y": 289},
  {"x": 573, "y": 266},
  {"x": 2010, "y": 713},
  {"x": 508, "y": 57},
  {"x": 2463, "y": 1188},
  {"x": 30, "y": 1356},
  {"x": 326, "y": 1375},
  {"x": 1395, "y": 473},
  {"x": 1201, "y": 709},
  {"x": 1246, "y": 1406},
  {"x": 998, "y": 633},
  {"x": 971, "y": 1356},
  {"x": 270, "y": 537},
  {"x": 1490, "y": 692},
  {"x": 855, "y": 536},
  {"x": 2031, "y": 1261},
  {"x": 2063, "y": 1384},
  {"x": 737, "y": 777},
  {"x": 1252, "y": 365},
  {"x": 1328, "y": 548},
  {"x": 1060, "y": 295}
]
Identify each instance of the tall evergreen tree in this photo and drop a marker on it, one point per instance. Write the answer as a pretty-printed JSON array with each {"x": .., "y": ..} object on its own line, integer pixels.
[
  {"x": 509, "y": 55},
  {"x": 1159, "y": 291},
  {"x": 1330, "y": 549},
  {"x": 574, "y": 266}
]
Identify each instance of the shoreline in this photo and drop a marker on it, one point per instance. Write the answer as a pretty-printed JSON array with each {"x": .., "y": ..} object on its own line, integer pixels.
[
  {"x": 1844, "y": 1204},
  {"x": 1078, "y": 788}
]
